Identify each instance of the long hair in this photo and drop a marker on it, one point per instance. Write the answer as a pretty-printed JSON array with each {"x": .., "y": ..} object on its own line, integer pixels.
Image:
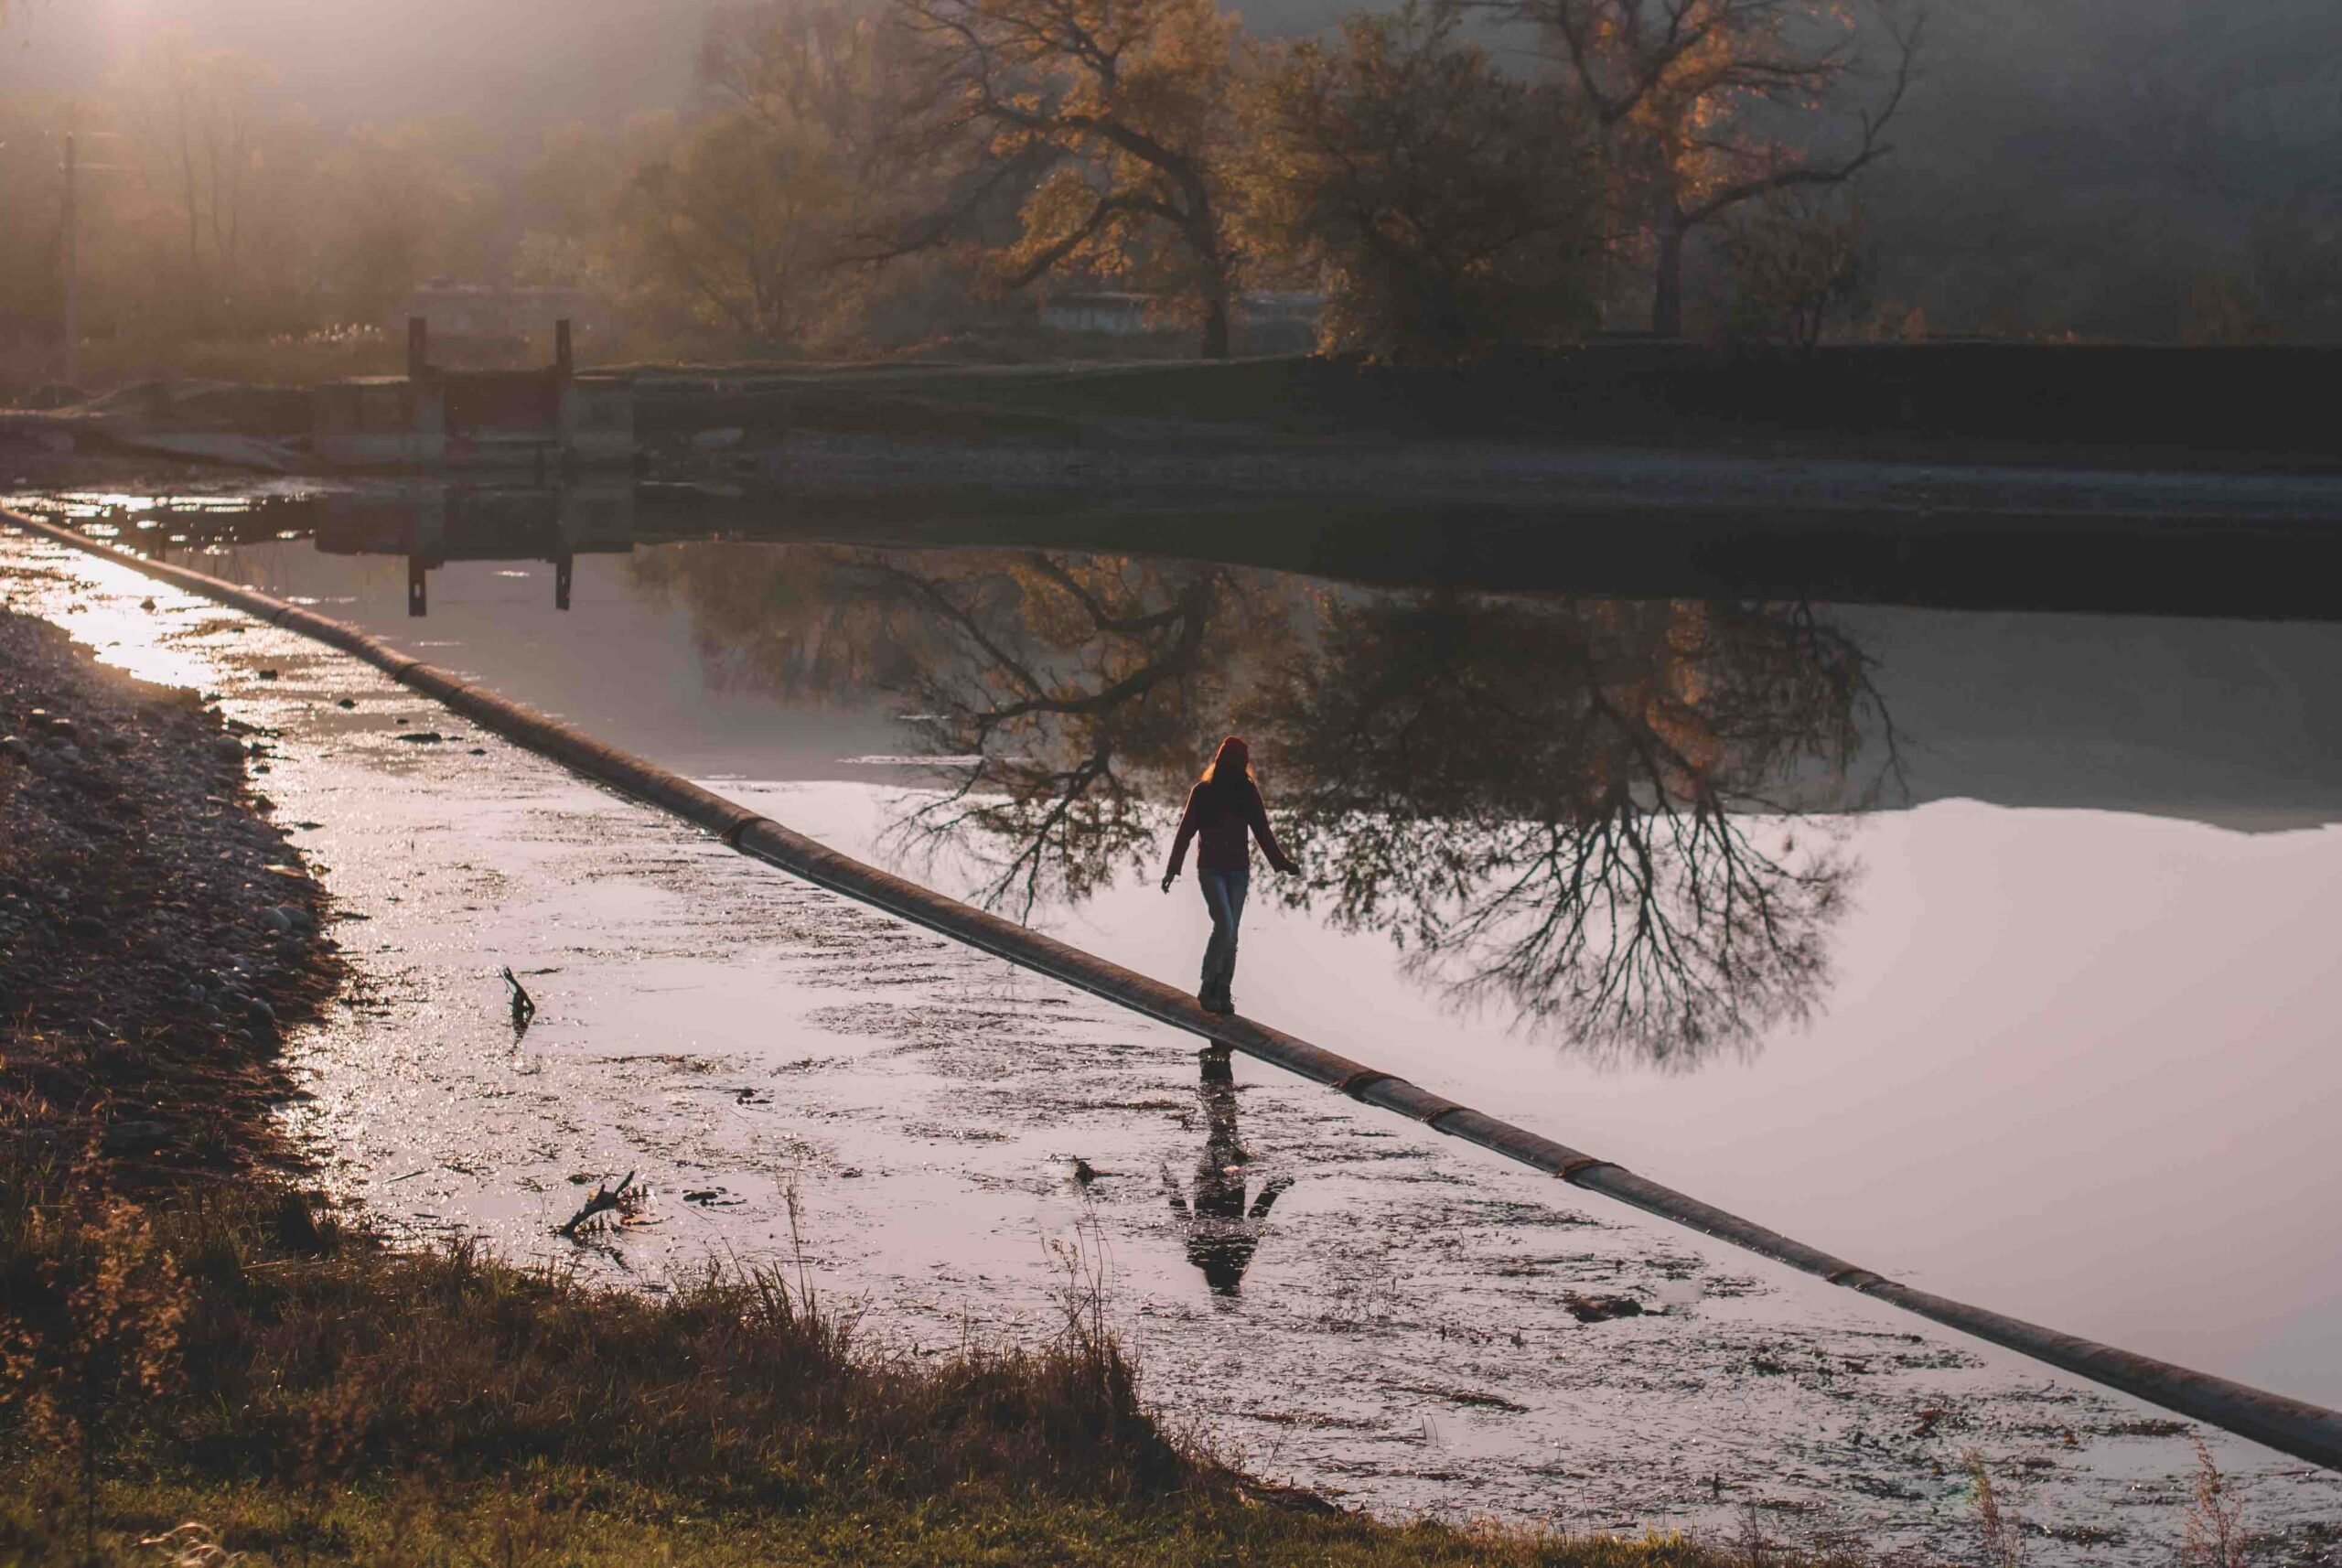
[{"x": 1230, "y": 771}]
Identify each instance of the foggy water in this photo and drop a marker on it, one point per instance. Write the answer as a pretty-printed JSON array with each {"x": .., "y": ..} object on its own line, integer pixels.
[{"x": 2043, "y": 1019}]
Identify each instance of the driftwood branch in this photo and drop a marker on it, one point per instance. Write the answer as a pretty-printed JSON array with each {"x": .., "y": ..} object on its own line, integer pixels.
[
  {"x": 605, "y": 1200},
  {"x": 524, "y": 1007}
]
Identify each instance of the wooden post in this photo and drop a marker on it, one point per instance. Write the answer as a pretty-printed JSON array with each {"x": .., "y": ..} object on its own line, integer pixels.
[
  {"x": 418, "y": 348},
  {"x": 563, "y": 363},
  {"x": 69, "y": 261},
  {"x": 418, "y": 585}
]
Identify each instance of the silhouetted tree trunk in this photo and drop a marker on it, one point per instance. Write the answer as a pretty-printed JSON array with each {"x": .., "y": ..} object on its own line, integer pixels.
[
  {"x": 1669, "y": 82},
  {"x": 1216, "y": 314},
  {"x": 1667, "y": 279}
]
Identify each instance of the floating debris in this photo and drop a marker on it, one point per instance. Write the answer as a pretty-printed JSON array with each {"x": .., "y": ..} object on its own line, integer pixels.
[
  {"x": 524, "y": 1007},
  {"x": 1601, "y": 1308}
]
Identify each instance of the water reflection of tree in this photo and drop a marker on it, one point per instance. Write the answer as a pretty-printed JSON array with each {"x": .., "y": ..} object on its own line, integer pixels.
[
  {"x": 1592, "y": 812},
  {"x": 1073, "y": 691},
  {"x": 1063, "y": 695},
  {"x": 786, "y": 620},
  {"x": 1598, "y": 815}
]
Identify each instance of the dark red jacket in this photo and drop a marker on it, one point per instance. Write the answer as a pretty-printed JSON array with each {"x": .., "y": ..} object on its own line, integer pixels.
[{"x": 1225, "y": 832}]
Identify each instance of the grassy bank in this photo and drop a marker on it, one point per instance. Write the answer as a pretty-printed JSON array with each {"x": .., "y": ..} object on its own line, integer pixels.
[{"x": 229, "y": 1358}]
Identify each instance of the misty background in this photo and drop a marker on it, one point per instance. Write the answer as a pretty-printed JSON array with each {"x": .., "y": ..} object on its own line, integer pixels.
[{"x": 2157, "y": 170}]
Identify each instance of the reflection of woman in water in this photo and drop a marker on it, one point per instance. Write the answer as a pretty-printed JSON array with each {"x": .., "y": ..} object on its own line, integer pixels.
[
  {"x": 1221, "y": 1235},
  {"x": 1225, "y": 808}
]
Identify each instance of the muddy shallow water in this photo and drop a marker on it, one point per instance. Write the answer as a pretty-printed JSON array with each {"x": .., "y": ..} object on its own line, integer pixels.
[{"x": 2045, "y": 1104}]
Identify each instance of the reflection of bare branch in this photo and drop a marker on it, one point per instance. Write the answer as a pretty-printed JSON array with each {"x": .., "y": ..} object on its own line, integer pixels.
[
  {"x": 1080, "y": 685},
  {"x": 1585, "y": 810},
  {"x": 1600, "y": 816}
]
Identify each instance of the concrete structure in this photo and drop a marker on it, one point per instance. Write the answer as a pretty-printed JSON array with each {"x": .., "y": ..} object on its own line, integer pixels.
[
  {"x": 546, "y": 420},
  {"x": 471, "y": 314}
]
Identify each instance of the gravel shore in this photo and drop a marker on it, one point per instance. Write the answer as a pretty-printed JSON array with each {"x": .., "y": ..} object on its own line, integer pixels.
[{"x": 156, "y": 931}]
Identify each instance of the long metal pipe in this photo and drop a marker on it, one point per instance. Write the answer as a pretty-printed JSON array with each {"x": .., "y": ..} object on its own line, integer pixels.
[{"x": 2290, "y": 1425}]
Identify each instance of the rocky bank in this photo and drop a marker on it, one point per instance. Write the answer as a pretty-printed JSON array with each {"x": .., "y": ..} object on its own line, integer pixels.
[{"x": 156, "y": 931}]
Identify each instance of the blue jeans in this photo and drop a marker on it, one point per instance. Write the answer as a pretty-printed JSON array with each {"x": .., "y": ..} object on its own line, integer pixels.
[{"x": 1224, "y": 896}]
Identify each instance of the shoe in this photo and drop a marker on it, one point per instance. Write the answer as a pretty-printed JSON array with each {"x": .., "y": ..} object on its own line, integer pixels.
[{"x": 1217, "y": 1003}]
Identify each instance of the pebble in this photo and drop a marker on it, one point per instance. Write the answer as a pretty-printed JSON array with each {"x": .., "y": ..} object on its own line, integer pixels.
[
  {"x": 125, "y": 1136},
  {"x": 1601, "y": 1308},
  {"x": 16, "y": 747}
]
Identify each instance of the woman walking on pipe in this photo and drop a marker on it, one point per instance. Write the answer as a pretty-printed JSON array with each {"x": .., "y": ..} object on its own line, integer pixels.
[{"x": 1225, "y": 808}]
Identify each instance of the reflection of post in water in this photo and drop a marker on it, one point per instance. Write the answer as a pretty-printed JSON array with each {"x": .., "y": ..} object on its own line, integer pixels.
[
  {"x": 1222, "y": 1234},
  {"x": 434, "y": 524}
]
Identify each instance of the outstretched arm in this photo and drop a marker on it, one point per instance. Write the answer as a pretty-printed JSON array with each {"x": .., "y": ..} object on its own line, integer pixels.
[
  {"x": 1179, "y": 844},
  {"x": 1268, "y": 836},
  {"x": 1269, "y": 1195}
]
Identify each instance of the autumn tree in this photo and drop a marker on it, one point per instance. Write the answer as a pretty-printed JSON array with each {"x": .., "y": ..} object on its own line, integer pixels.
[
  {"x": 745, "y": 220},
  {"x": 734, "y": 227},
  {"x": 1702, "y": 105},
  {"x": 1445, "y": 206},
  {"x": 401, "y": 204},
  {"x": 1794, "y": 262},
  {"x": 218, "y": 167},
  {"x": 1127, "y": 105}
]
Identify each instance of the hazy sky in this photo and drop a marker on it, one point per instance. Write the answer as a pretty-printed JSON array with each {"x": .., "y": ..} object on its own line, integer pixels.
[
  {"x": 355, "y": 61},
  {"x": 499, "y": 61}
]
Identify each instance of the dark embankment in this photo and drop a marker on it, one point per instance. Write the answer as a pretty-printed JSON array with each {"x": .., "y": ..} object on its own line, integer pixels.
[
  {"x": 203, "y": 1360},
  {"x": 2119, "y": 565},
  {"x": 2097, "y": 404}
]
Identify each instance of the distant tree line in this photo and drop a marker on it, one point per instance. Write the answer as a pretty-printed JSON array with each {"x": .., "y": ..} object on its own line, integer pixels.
[{"x": 1450, "y": 176}]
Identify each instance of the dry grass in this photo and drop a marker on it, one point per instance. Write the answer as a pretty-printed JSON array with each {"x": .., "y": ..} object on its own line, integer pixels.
[
  {"x": 225, "y": 1358},
  {"x": 286, "y": 358}
]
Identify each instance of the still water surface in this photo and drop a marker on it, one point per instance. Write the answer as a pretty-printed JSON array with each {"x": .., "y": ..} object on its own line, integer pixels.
[{"x": 1990, "y": 950}]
